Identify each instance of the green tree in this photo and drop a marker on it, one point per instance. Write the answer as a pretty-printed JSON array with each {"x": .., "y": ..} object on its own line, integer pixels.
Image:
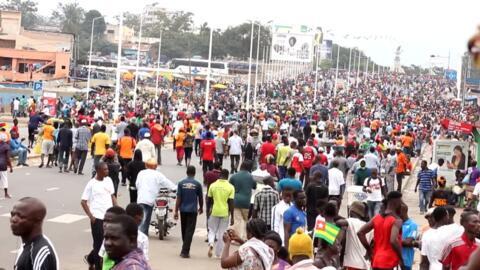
[
  {"x": 131, "y": 20},
  {"x": 99, "y": 26},
  {"x": 70, "y": 17},
  {"x": 28, "y": 8}
]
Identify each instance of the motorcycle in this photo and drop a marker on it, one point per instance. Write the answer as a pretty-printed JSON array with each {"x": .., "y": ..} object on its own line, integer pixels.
[{"x": 164, "y": 203}]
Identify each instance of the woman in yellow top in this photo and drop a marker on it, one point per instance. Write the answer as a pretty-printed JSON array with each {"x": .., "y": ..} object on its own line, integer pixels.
[{"x": 179, "y": 145}]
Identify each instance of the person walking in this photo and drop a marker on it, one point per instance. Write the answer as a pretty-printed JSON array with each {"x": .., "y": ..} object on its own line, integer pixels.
[
  {"x": 426, "y": 182},
  {"x": 114, "y": 167},
  {"x": 36, "y": 251},
  {"x": 207, "y": 152},
  {"x": 179, "y": 145},
  {"x": 148, "y": 184},
  {"x": 97, "y": 197},
  {"x": 5, "y": 163},
  {"x": 65, "y": 143},
  {"x": 125, "y": 147},
  {"x": 375, "y": 188},
  {"x": 244, "y": 184},
  {"x": 47, "y": 143},
  {"x": 189, "y": 196},
  {"x": 188, "y": 146},
  {"x": 264, "y": 202},
  {"x": 83, "y": 137},
  {"x": 147, "y": 148},
  {"x": 133, "y": 168},
  {"x": 100, "y": 143},
  {"x": 401, "y": 169},
  {"x": 235, "y": 144},
  {"x": 220, "y": 197},
  {"x": 158, "y": 132},
  {"x": 295, "y": 216}
]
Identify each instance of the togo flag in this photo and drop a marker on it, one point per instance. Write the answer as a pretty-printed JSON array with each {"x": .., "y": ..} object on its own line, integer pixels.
[{"x": 326, "y": 231}]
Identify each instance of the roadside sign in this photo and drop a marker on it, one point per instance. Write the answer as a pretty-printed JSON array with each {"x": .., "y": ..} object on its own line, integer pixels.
[
  {"x": 38, "y": 86},
  {"x": 451, "y": 74}
]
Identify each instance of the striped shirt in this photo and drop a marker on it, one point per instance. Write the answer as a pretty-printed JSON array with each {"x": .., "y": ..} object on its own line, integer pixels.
[
  {"x": 425, "y": 177},
  {"x": 38, "y": 254},
  {"x": 83, "y": 138},
  {"x": 458, "y": 251},
  {"x": 265, "y": 200}
]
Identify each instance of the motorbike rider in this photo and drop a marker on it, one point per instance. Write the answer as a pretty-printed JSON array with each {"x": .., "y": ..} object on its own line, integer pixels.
[{"x": 149, "y": 182}]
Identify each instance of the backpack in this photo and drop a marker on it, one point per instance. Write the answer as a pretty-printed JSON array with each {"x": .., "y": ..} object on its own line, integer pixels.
[{"x": 188, "y": 141}]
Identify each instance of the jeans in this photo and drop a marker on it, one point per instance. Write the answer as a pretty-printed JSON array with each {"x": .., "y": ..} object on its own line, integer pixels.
[
  {"x": 424, "y": 199},
  {"x": 21, "y": 153},
  {"x": 399, "y": 181},
  {"x": 282, "y": 172},
  {"x": 63, "y": 155},
  {"x": 81, "y": 158},
  {"x": 373, "y": 208},
  {"x": 234, "y": 162},
  {"x": 147, "y": 216},
  {"x": 96, "y": 160},
  {"x": 97, "y": 235},
  {"x": 219, "y": 158},
  {"x": 158, "y": 149},
  {"x": 216, "y": 228},
  {"x": 188, "y": 222}
]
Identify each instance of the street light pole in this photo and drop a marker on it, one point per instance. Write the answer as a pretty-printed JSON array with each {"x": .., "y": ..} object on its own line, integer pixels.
[
  {"x": 358, "y": 69},
  {"x": 158, "y": 64},
  {"x": 349, "y": 62},
  {"x": 119, "y": 74},
  {"x": 138, "y": 62},
  {"x": 90, "y": 57},
  {"x": 247, "y": 107},
  {"x": 256, "y": 69},
  {"x": 207, "y": 89},
  {"x": 336, "y": 72},
  {"x": 316, "y": 74}
]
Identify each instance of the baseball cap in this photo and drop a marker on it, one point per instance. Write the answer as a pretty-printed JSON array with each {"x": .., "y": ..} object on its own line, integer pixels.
[
  {"x": 110, "y": 153},
  {"x": 146, "y": 135}
]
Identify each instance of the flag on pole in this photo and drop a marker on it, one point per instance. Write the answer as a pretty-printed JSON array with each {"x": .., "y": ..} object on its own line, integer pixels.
[{"x": 326, "y": 231}]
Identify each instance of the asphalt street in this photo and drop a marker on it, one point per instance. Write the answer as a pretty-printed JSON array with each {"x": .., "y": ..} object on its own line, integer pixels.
[{"x": 69, "y": 229}]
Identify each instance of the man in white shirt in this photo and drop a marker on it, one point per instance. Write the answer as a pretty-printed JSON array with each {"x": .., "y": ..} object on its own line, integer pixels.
[
  {"x": 16, "y": 107},
  {"x": 149, "y": 182},
  {"x": 336, "y": 181},
  {"x": 354, "y": 250},
  {"x": 278, "y": 210},
  {"x": 97, "y": 197},
  {"x": 235, "y": 144},
  {"x": 371, "y": 160},
  {"x": 436, "y": 238},
  {"x": 374, "y": 186},
  {"x": 147, "y": 148}
]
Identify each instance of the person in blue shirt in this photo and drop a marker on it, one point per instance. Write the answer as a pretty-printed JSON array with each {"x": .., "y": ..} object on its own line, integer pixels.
[
  {"x": 290, "y": 181},
  {"x": 189, "y": 196},
  {"x": 18, "y": 149},
  {"x": 143, "y": 130},
  {"x": 426, "y": 182},
  {"x": 295, "y": 216},
  {"x": 409, "y": 236}
]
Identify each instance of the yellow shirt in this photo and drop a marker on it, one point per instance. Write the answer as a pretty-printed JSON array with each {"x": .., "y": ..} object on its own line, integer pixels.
[
  {"x": 101, "y": 140},
  {"x": 48, "y": 132},
  {"x": 221, "y": 191}
]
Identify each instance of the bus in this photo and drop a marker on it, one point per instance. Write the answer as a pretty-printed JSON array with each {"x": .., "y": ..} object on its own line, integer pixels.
[
  {"x": 235, "y": 68},
  {"x": 197, "y": 67}
]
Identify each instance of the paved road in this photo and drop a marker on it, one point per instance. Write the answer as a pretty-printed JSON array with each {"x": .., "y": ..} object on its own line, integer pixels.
[{"x": 69, "y": 229}]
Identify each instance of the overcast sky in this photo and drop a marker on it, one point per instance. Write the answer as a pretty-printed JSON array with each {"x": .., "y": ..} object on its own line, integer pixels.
[{"x": 421, "y": 27}]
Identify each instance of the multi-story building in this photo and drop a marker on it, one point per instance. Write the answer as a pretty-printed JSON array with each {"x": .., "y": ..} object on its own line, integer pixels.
[{"x": 29, "y": 55}]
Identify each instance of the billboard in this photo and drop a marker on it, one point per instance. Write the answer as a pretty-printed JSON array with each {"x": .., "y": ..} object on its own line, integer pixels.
[
  {"x": 326, "y": 49},
  {"x": 455, "y": 155},
  {"x": 292, "y": 44}
]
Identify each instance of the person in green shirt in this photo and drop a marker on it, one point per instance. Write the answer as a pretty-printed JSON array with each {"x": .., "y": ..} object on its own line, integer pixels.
[
  {"x": 220, "y": 206},
  {"x": 361, "y": 174},
  {"x": 244, "y": 184}
]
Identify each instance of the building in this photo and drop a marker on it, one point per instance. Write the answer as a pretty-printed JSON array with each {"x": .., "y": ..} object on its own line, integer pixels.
[
  {"x": 30, "y": 55},
  {"x": 111, "y": 33},
  {"x": 151, "y": 11}
]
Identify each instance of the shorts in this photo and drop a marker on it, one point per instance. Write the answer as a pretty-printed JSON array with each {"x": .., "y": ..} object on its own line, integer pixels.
[
  {"x": 4, "y": 179},
  {"x": 47, "y": 147}
]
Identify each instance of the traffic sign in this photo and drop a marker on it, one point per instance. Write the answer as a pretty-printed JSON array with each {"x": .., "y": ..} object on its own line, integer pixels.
[
  {"x": 38, "y": 86},
  {"x": 451, "y": 74}
]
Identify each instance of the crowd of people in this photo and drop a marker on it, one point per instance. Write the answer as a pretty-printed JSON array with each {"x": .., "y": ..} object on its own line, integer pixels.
[{"x": 291, "y": 163}]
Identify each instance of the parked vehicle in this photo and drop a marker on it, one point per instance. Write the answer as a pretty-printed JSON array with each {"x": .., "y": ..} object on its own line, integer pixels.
[{"x": 164, "y": 204}]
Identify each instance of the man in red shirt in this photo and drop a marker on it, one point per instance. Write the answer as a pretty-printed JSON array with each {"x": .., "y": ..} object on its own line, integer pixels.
[
  {"x": 458, "y": 251},
  {"x": 322, "y": 158},
  {"x": 267, "y": 148},
  {"x": 207, "y": 152},
  {"x": 157, "y": 133},
  {"x": 387, "y": 251},
  {"x": 309, "y": 154}
]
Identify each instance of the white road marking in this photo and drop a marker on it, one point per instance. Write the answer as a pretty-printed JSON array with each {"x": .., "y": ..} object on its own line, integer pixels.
[
  {"x": 52, "y": 188},
  {"x": 67, "y": 218}
]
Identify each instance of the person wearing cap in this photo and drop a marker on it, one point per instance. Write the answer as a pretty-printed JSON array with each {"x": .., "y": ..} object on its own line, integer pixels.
[
  {"x": 47, "y": 143},
  {"x": 5, "y": 163},
  {"x": 147, "y": 147},
  {"x": 300, "y": 250},
  {"x": 100, "y": 143},
  {"x": 82, "y": 136},
  {"x": 148, "y": 184}
]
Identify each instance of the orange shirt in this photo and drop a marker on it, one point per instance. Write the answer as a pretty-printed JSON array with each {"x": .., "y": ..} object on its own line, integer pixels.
[
  {"x": 402, "y": 163},
  {"x": 126, "y": 145},
  {"x": 407, "y": 141},
  {"x": 180, "y": 139},
  {"x": 48, "y": 132}
]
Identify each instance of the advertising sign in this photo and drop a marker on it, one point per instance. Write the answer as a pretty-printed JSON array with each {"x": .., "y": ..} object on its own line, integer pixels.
[
  {"x": 326, "y": 49},
  {"x": 49, "y": 103},
  {"x": 291, "y": 43},
  {"x": 455, "y": 155}
]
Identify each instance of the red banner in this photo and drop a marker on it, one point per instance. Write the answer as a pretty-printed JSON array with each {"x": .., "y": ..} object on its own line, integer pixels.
[{"x": 457, "y": 126}]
